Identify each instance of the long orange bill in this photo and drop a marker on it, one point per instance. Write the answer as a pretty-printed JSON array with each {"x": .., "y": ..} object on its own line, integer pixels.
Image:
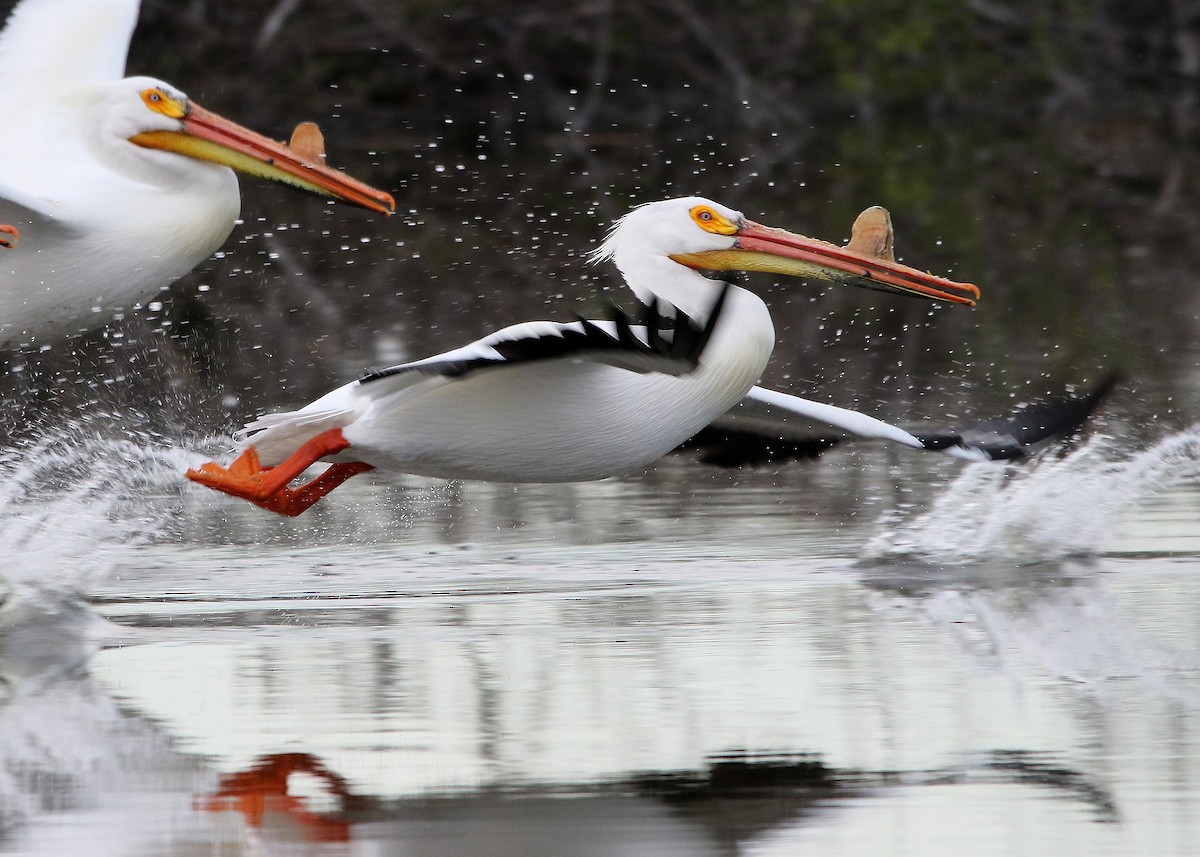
[
  {"x": 210, "y": 137},
  {"x": 765, "y": 248}
]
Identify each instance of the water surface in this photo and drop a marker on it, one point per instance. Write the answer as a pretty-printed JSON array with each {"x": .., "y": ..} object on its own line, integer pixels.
[
  {"x": 878, "y": 653},
  {"x": 684, "y": 662}
]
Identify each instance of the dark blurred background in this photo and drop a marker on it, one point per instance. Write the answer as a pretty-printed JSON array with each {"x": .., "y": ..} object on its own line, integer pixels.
[{"x": 1044, "y": 150}]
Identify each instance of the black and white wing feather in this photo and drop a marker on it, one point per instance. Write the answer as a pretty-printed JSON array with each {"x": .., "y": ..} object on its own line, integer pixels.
[
  {"x": 768, "y": 427},
  {"x": 674, "y": 348},
  {"x": 652, "y": 346}
]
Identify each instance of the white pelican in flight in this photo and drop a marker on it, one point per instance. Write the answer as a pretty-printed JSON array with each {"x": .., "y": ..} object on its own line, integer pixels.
[
  {"x": 553, "y": 402},
  {"x": 118, "y": 186}
]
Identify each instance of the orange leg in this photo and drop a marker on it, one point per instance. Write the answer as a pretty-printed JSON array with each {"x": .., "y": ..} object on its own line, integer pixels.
[
  {"x": 8, "y": 235},
  {"x": 268, "y": 486}
]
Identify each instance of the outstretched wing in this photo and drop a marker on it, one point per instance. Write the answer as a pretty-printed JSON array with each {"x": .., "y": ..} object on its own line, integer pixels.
[
  {"x": 51, "y": 46},
  {"x": 769, "y": 427},
  {"x": 649, "y": 346}
]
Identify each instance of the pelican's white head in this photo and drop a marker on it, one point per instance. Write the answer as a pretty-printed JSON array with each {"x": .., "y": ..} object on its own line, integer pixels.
[
  {"x": 107, "y": 116},
  {"x": 151, "y": 131},
  {"x": 660, "y": 247},
  {"x": 641, "y": 244},
  {"x": 690, "y": 224},
  {"x": 124, "y": 108}
]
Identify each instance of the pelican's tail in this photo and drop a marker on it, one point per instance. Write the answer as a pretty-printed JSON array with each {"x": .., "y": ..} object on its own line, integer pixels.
[{"x": 277, "y": 436}]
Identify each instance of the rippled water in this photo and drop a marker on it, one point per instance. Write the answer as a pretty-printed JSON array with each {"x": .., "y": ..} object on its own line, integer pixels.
[{"x": 881, "y": 653}]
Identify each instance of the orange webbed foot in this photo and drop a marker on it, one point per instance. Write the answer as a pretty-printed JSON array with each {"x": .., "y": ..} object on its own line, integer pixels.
[
  {"x": 8, "y": 235},
  {"x": 268, "y": 486},
  {"x": 243, "y": 478},
  {"x": 293, "y": 501}
]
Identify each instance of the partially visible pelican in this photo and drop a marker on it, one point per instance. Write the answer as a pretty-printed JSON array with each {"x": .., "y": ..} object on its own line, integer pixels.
[
  {"x": 8, "y": 235},
  {"x": 118, "y": 185},
  {"x": 553, "y": 402}
]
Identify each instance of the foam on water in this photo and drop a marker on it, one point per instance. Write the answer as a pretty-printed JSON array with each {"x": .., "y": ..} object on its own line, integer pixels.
[
  {"x": 73, "y": 503},
  {"x": 1045, "y": 510}
]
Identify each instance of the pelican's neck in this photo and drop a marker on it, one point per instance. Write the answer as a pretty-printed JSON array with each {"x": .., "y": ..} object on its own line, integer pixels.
[{"x": 661, "y": 277}]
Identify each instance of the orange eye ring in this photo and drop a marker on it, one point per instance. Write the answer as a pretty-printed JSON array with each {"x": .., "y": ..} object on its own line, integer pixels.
[
  {"x": 712, "y": 221},
  {"x": 163, "y": 102}
]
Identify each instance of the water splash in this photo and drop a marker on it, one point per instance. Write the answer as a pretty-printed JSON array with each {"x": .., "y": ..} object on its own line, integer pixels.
[
  {"x": 74, "y": 502},
  {"x": 1051, "y": 509}
]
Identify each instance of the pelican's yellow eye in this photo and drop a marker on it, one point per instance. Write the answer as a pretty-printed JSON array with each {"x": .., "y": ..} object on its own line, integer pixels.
[
  {"x": 161, "y": 102},
  {"x": 711, "y": 221}
]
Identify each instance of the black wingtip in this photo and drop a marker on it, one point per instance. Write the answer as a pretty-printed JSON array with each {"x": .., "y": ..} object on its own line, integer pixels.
[
  {"x": 1029, "y": 429},
  {"x": 1063, "y": 417}
]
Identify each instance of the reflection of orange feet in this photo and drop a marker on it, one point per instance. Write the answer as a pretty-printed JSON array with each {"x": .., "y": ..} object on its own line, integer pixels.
[
  {"x": 8, "y": 235},
  {"x": 268, "y": 486},
  {"x": 265, "y": 788}
]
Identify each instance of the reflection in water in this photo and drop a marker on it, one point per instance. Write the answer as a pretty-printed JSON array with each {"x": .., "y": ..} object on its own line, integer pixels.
[
  {"x": 75, "y": 769},
  {"x": 716, "y": 706},
  {"x": 682, "y": 661},
  {"x": 730, "y": 803},
  {"x": 1043, "y": 770},
  {"x": 460, "y": 714},
  {"x": 1070, "y": 626},
  {"x": 266, "y": 789},
  {"x": 111, "y": 765},
  {"x": 45, "y": 637},
  {"x": 628, "y": 667}
]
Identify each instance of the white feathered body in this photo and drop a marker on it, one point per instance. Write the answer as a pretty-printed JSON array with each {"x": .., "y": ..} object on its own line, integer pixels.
[
  {"x": 539, "y": 421},
  {"x": 99, "y": 241},
  {"x": 104, "y": 223}
]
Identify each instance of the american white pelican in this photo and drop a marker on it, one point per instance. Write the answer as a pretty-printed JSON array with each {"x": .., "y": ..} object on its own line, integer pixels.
[
  {"x": 118, "y": 185},
  {"x": 553, "y": 402}
]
